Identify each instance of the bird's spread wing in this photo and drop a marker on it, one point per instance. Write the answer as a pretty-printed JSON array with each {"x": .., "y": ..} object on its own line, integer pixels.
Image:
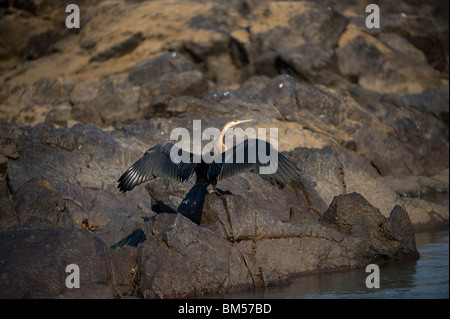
[
  {"x": 155, "y": 162},
  {"x": 244, "y": 157}
]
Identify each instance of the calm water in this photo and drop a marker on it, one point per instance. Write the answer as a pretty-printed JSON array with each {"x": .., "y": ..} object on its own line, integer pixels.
[{"x": 425, "y": 278}]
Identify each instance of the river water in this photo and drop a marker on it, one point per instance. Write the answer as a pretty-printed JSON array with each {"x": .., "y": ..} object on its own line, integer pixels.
[{"x": 425, "y": 278}]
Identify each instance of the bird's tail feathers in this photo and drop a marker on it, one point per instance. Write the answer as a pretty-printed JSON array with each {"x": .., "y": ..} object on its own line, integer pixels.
[{"x": 192, "y": 205}]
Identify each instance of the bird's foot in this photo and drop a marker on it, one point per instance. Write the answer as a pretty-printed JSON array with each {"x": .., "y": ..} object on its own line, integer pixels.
[
  {"x": 219, "y": 192},
  {"x": 211, "y": 191}
]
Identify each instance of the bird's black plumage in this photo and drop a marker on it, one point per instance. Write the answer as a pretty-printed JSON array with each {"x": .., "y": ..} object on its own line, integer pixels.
[{"x": 156, "y": 162}]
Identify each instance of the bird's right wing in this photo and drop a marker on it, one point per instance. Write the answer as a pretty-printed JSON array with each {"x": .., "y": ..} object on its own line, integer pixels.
[{"x": 155, "y": 162}]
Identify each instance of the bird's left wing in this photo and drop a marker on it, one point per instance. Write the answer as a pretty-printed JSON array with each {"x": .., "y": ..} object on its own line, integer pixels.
[
  {"x": 244, "y": 157},
  {"x": 155, "y": 162}
]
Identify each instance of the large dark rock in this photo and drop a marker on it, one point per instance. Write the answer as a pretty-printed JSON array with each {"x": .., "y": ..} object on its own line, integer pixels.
[
  {"x": 401, "y": 227},
  {"x": 37, "y": 200},
  {"x": 190, "y": 83},
  {"x": 422, "y": 32},
  {"x": 185, "y": 260},
  {"x": 153, "y": 68},
  {"x": 419, "y": 125},
  {"x": 71, "y": 179},
  {"x": 304, "y": 48},
  {"x": 33, "y": 263},
  {"x": 311, "y": 64},
  {"x": 392, "y": 237},
  {"x": 380, "y": 64},
  {"x": 113, "y": 104}
]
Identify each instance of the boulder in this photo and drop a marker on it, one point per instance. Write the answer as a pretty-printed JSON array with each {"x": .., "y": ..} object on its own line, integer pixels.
[
  {"x": 353, "y": 216},
  {"x": 151, "y": 69},
  {"x": 114, "y": 104},
  {"x": 33, "y": 263},
  {"x": 37, "y": 200},
  {"x": 380, "y": 64},
  {"x": 190, "y": 83},
  {"x": 185, "y": 260},
  {"x": 425, "y": 33},
  {"x": 75, "y": 194}
]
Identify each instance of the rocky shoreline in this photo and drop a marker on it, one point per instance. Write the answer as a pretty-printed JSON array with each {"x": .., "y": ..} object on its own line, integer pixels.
[{"x": 363, "y": 113}]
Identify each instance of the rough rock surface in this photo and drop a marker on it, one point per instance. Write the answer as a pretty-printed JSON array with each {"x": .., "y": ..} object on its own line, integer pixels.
[
  {"x": 39, "y": 269},
  {"x": 264, "y": 249},
  {"x": 362, "y": 112}
]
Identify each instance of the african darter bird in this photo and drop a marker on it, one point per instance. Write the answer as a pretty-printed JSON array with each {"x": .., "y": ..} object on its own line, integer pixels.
[{"x": 156, "y": 162}]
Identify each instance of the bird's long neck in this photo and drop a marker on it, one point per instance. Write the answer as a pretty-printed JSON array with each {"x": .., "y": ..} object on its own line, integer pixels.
[{"x": 220, "y": 144}]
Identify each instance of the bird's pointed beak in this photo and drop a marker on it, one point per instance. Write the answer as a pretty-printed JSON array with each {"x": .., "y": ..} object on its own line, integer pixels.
[{"x": 243, "y": 121}]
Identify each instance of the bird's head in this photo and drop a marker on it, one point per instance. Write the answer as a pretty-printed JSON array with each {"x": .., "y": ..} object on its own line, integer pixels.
[{"x": 233, "y": 123}]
